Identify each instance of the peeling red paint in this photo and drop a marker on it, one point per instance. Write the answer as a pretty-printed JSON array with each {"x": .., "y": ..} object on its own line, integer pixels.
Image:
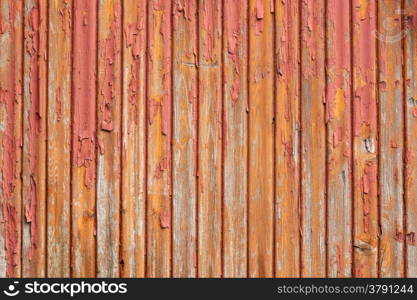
[
  {"x": 110, "y": 52},
  {"x": 65, "y": 13},
  {"x": 161, "y": 167},
  {"x": 84, "y": 63},
  {"x": 185, "y": 7},
  {"x": 165, "y": 218},
  {"x": 135, "y": 42},
  {"x": 369, "y": 181},
  {"x": 339, "y": 58},
  {"x": 410, "y": 238},
  {"x": 210, "y": 11},
  {"x": 165, "y": 31},
  {"x": 11, "y": 233},
  {"x": 232, "y": 28},
  {"x": 259, "y": 16},
  {"x": 10, "y": 145},
  {"x": 32, "y": 47}
]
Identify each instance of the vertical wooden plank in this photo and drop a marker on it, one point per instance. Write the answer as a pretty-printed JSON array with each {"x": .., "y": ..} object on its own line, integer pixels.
[
  {"x": 261, "y": 139},
  {"x": 365, "y": 141},
  {"x": 83, "y": 249},
  {"x": 313, "y": 161},
  {"x": 210, "y": 140},
  {"x": 159, "y": 140},
  {"x": 134, "y": 139},
  {"x": 11, "y": 39},
  {"x": 338, "y": 144},
  {"x": 184, "y": 138},
  {"x": 34, "y": 138},
  {"x": 59, "y": 138},
  {"x": 235, "y": 138},
  {"x": 109, "y": 137},
  {"x": 390, "y": 138},
  {"x": 410, "y": 136},
  {"x": 287, "y": 160}
]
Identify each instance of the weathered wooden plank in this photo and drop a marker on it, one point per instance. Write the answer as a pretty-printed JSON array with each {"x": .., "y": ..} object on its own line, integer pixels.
[
  {"x": 59, "y": 139},
  {"x": 261, "y": 139},
  {"x": 235, "y": 138},
  {"x": 365, "y": 141},
  {"x": 338, "y": 143},
  {"x": 134, "y": 139},
  {"x": 11, "y": 39},
  {"x": 391, "y": 256},
  {"x": 287, "y": 142},
  {"x": 184, "y": 149},
  {"x": 83, "y": 248},
  {"x": 109, "y": 137},
  {"x": 159, "y": 109},
  {"x": 210, "y": 139},
  {"x": 34, "y": 139},
  {"x": 313, "y": 148},
  {"x": 410, "y": 147}
]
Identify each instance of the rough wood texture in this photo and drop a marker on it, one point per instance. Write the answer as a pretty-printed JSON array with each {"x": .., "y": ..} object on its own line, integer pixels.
[
  {"x": 391, "y": 139},
  {"x": 235, "y": 137},
  {"x": 109, "y": 136},
  {"x": 159, "y": 110},
  {"x": 365, "y": 140},
  {"x": 338, "y": 142},
  {"x": 34, "y": 139},
  {"x": 59, "y": 138},
  {"x": 184, "y": 151},
  {"x": 287, "y": 139},
  {"x": 133, "y": 228},
  {"x": 261, "y": 140},
  {"x": 83, "y": 205},
  {"x": 313, "y": 147},
  {"x": 410, "y": 147},
  {"x": 208, "y": 138},
  {"x": 11, "y": 104}
]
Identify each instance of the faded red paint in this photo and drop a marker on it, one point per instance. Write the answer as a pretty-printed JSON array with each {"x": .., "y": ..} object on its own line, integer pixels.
[
  {"x": 290, "y": 139},
  {"x": 234, "y": 39},
  {"x": 10, "y": 143},
  {"x": 107, "y": 89},
  {"x": 84, "y": 118},
  {"x": 209, "y": 14},
  {"x": 32, "y": 47}
]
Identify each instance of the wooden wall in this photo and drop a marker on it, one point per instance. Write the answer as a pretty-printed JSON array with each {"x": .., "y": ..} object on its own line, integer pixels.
[{"x": 208, "y": 138}]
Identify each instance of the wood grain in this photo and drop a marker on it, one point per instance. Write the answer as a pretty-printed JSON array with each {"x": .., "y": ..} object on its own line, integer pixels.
[
  {"x": 133, "y": 228},
  {"x": 365, "y": 139},
  {"x": 11, "y": 101},
  {"x": 410, "y": 147},
  {"x": 83, "y": 189},
  {"x": 338, "y": 142},
  {"x": 184, "y": 144},
  {"x": 313, "y": 134},
  {"x": 261, "y": 140},
  {"x": 34, "y": 139},
  {"x": 159, "y": 110},
  {"x": 235, "y": 138},
  {"x": 391, "y": 139},
  {"x": 59, "y": 138},
  {"x": 109, "y": 137},
  {"x": 208, "y": 138},
  {"x": 287, "y": 139}
]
